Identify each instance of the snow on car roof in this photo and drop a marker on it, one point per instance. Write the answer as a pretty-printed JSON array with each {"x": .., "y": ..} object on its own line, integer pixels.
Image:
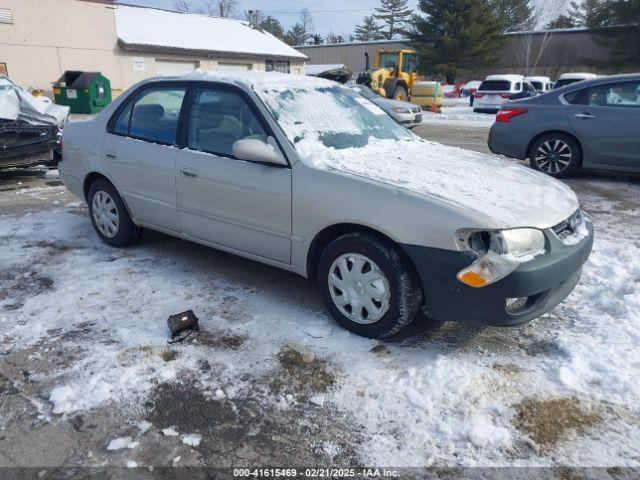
[
  {"x": 257, "y": 79},
  {"x": 538, "y": 79},
  {"x": 152, "y": 27},
  {"x": 510, "y": 77},
  {"x": 318, "y": 69},
  {"x": 577, "y": 75}
]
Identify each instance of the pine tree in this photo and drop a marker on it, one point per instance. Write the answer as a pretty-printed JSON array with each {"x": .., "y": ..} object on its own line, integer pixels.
[
  {"x": 562, "y": 21},
  {"x": 395, "y": 16},
  {"x": 368, "y": 30},
  {"x": 455, "y": 35},
  {"x": 302, "y": 31},
  {"x": 273, "y": 26},
  {"x": 616, "y": 25},
  {"x": 514, "y": 15}
]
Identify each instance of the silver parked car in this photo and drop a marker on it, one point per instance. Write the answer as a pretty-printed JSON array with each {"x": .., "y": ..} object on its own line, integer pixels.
[
  {"x": 302, "y": 174},
  {"x": 406, "y": 113},
  {"x": 590, "y": 124}
]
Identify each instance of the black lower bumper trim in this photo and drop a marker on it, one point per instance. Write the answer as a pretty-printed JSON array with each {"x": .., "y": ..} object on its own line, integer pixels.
[{"x": 547, "y": 280}]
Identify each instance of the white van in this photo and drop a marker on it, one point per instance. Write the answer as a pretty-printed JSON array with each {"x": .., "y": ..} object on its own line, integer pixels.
[
  {"x": 541, "y": 84},
  {"x": 569, "y": 78},
  {"x": 497, "y": 89}
]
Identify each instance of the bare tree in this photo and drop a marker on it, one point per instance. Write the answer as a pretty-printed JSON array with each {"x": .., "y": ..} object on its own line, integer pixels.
[
  {"x": 182, "y": 6},
  {"x": 534, "y": 42},
  {"x": 254, "y": 17},
  {"x": 220, "y": 8}
]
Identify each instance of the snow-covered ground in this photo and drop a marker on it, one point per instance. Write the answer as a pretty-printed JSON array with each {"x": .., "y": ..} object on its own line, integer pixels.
[
  {"x": 270, "y": 370},
  {"x": 457, "y": 111}
]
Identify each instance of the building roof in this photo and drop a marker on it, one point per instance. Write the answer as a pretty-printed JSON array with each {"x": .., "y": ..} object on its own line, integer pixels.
[{"x": 143, "y": 28}]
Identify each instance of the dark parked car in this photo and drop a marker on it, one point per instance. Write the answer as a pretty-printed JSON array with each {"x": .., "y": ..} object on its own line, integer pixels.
[{"x": 591, "y": 124}]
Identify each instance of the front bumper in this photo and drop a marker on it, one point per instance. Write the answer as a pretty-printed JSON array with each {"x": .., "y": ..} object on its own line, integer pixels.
[
  {"x": 546, "y": 280},
  {"x": 409, "y": 120}
]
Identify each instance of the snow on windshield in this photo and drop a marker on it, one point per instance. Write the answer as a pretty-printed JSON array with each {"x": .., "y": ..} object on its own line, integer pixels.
[{"x": 332, "y": 115}]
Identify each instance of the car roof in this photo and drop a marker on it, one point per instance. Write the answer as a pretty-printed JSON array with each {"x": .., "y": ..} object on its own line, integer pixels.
[
  {"x": 510, "y": 77},
  {"x": 538, "y": 79},
  {"x": 249, "y": 79}
]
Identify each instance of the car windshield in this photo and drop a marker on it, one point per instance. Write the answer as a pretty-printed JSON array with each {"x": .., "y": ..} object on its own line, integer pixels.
[
  {"x": 495, "y": 86},
  {"x": 566, "y": 81},
  {"x": 335, "y": 116},
  {"x": 366, "y": 92}
]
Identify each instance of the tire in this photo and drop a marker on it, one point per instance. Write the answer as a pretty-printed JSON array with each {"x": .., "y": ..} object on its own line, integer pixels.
[
  {"x": 367, "y": 258},
  {"x": 109, "y": 215},
  {"x": 555, "y": 154},
  {"x": 400, "y": 93}
]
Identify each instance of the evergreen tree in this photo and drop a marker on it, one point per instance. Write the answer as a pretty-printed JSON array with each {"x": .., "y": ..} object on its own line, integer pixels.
[
  {"x": 515, "y": 15},
  {"x": 562, "y": 21},
  {"x": 273, "y": 26},
  {"x": 395, "y": 16},
  {"x": 455, "y": 35},
  {"x": 302, "y": 31},
  {"x": 616, "y": 25},
  {"x": 368, "y": 30}
]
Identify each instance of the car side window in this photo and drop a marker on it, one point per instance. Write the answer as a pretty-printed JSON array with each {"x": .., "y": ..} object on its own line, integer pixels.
[
  {"x": 121, "y": 126},
  {"x": 219, "y": 117},
  {"x": 518, "y": 87},
  {"x": 155, "y": 114},
  {"x": 577, "y": 97},
  {"x": 620, "y": 94}
]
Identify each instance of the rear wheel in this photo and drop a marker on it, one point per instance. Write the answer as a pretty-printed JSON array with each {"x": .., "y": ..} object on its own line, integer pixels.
[
  {"x": 109, "y": 215},
  {"x": 400, "y": 93},
  {"x": 367, "y": 286},
  {"x": 555, "y": 154}
]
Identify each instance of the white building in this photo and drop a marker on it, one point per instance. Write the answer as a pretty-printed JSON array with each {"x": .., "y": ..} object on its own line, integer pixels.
[{"x": 41, "y": 39}]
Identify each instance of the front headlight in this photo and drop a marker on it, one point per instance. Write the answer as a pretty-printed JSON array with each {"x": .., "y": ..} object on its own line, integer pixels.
[
  {"x": 401, "y": 110},
  {"x": 499, "y": 253}
]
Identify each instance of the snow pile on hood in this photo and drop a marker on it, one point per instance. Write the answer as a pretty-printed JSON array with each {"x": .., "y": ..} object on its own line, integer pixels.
[{"x": 508, "y": 194}]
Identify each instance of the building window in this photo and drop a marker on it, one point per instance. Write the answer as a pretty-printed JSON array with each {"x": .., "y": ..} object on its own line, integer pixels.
[
  {"x": 6, "y": 15},
  {"x": 282, "y": 66}
]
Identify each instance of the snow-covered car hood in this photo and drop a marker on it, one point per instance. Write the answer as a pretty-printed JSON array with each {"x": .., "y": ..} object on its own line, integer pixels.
[{"x": 506, "y": 194}]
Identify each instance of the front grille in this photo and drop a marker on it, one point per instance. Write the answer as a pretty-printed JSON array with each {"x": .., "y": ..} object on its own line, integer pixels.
[{"x": 568, "y": 227}]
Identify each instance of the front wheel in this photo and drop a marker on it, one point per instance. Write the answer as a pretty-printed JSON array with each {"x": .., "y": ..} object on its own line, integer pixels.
[
  {"x": 556, "y": 154},
  {"x": 400, "y": 93},
  {"x": 367, "y": 286},
  {"x": 109, "y": 216}
]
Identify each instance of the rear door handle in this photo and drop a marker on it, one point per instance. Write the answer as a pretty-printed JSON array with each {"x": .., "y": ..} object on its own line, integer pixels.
[
  {"x": 187, "y": 172},
  {"x": 110, "y": 155},
  {"x": 586, "y": 116}
]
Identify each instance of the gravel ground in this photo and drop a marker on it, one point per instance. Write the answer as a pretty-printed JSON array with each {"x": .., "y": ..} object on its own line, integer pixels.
[{"x": 87, "y": 379}]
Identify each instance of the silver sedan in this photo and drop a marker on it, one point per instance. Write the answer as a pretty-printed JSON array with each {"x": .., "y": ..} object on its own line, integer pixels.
[{"x": 406, "y": 113}]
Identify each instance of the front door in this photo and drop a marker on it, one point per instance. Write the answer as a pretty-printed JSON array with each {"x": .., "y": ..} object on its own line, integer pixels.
[
  {"x": 140, "y": 152},
  {"x": 238, "y": 205},
  {"x": 606, "y": 119}
]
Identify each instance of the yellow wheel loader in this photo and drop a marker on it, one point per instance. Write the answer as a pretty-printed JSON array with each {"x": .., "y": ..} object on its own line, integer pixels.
[{"x": 396, "y": 77}]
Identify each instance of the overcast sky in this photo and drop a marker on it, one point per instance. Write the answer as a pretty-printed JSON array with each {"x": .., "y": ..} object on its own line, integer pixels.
[{"x": 328, "y": 15}]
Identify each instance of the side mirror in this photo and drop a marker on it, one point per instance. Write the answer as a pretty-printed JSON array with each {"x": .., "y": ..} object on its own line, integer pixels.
[{"x": 255, "y": 150}]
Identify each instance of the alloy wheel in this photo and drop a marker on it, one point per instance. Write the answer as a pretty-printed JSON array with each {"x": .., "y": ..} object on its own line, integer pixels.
[
  {"x": 359, "y": 288},
  {"x": 553, "y": 156},
  {"x": 105, "y": 214}
]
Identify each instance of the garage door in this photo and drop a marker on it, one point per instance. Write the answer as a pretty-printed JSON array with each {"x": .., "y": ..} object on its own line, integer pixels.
[
  {"x": 234, "y": 66},
  {"x": 174, "y": 67}
]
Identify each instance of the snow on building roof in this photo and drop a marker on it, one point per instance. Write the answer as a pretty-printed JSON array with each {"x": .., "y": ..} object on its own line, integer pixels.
[{"x": 139, "y": 27}]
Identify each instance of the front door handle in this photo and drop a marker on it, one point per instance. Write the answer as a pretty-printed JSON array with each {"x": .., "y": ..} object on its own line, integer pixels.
[
  {"x": 585, "y": 116},
  {"x": 110, "y": 155},
  {"x": 187, "y": 172}
]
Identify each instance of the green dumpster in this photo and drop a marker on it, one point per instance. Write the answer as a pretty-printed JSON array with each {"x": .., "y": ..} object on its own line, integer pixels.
[{"x": 83, "y": 92}]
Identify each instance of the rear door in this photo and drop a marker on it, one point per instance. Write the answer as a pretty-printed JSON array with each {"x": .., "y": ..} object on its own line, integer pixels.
[
  {"x": 239, "y": 205},
  {"x": 140, "y": 153},
  {"x": 606, "y": 119}
]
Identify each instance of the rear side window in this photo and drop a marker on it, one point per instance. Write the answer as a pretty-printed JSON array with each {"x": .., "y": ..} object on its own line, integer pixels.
[
  {"x": 576, "y": 97},
  {"x": 121, "y": 127},
  {"x": 155, "y": 114},
  {"x": 621, "y": 94},
  {"x": 495, "y": 86}
]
